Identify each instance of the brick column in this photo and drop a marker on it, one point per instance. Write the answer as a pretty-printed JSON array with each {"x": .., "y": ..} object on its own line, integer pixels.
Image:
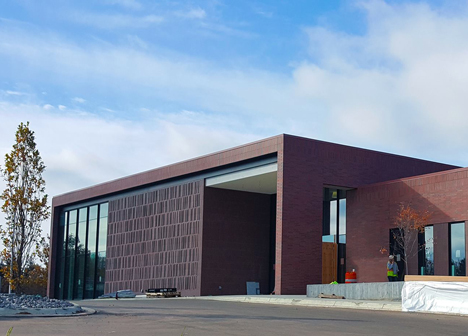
[
  {"x": 466, "y": 245},
  {"x": 299, "y": 221},
  {"x": 54, "y": 228},
  {"x": 441, "y": 249}
]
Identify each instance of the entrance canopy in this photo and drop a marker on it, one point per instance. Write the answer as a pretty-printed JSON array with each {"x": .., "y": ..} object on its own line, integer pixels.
[{"x": 261, "y": 179}]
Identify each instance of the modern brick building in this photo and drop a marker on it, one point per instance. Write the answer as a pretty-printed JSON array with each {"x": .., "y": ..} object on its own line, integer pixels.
[{"x": 263, "y": 212}]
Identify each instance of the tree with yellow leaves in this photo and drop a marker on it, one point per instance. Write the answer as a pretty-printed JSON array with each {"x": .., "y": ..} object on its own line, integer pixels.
[
  {"x": 409, "y": 223},
  {"x": 25, "y": 207}
]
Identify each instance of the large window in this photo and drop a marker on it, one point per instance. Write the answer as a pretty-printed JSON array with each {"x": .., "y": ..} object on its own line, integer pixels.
[
  {"x": 334, "y": 216},
  {"x": 427, "y": 261},
  {"x": 334, "y": 233},
  {"x": 457, "y": 249},
  {"x": 81, "y": 254}
]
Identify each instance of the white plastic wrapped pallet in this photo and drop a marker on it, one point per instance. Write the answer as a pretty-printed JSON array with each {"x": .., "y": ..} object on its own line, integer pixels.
[{"x": 440, "y": 297}]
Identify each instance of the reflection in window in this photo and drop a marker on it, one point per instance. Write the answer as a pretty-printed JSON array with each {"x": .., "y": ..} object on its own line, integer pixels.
[
  {"x": 429, "y": 250},
  {"x": 102, "y": 244},
  {"x": 91, "y": 253},
  {"x": 71, "y": 245},
  {"x": 81, "y": 257},
  {"x": 80, "y": 253},
  {"x": 61, "y": 255},
  {"x": 457, "y": 249},
  {"x": 333, "y": 217}
]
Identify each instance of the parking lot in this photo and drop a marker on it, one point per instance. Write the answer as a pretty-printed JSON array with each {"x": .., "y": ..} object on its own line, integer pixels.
[{"x": 203, "y": 317}]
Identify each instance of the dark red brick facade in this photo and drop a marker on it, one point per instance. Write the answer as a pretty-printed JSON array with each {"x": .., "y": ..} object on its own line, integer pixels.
[
  {"x": 306, "y": 167},
  {"x": 372, "y": 211},
  {"x": 236, "y": 236},
  {"x": 154, "y": 241}
]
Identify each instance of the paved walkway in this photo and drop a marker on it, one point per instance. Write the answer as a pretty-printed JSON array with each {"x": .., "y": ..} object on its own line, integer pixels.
[{"x": 302, "y": 300}]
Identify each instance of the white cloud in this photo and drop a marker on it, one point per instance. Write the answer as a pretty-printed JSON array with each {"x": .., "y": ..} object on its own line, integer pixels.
[
  {"x": 115, "y": 21},
  {"x": 129, "y": 4},
  {"x": 402, "y": 85},
  {"x": 79, "y": 100},
  {"x": 184, "y": 80},
  {"x": 399, "y": 87},
  {"x": 14, "y": 93},
  {"x": 194, "y": 13},
  {"x": 80, "y": 150},
  {"x": 62, "y": 107}
]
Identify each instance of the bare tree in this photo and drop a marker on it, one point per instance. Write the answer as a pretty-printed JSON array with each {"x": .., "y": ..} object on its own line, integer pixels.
[
  {"x": 24, "y": 205},
  {"x": 409, "y": 223}
]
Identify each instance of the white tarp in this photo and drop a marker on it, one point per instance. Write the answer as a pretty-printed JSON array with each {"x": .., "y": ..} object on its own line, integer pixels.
[{"x": 441, "y": 297}]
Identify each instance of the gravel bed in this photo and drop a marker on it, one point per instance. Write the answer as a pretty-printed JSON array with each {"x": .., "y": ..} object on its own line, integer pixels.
[{"x": 13, "y": 301}]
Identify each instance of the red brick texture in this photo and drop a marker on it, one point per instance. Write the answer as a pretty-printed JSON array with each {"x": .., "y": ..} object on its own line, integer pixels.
[
  {"x": 236, "y": 236},
  {"x": 371, "y": 211},
  {"x": 304, "y": 167}
]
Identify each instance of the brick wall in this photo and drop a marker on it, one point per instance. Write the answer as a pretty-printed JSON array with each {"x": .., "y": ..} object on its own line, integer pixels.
[
  {"x": 236, "y": 238},
  {"x": 154, "y": 240},
  {"x": 304, "y": 167},
  {"x": 372, "y": 210}
]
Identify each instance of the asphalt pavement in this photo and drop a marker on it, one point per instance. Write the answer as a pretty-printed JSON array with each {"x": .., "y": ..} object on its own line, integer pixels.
[{"x": 181, "y": 316}]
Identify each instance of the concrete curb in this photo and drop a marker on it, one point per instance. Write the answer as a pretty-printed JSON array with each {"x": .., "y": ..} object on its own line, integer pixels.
[
  {"x": 310, "y": 302},
  {"x": 76, "y": 310}
]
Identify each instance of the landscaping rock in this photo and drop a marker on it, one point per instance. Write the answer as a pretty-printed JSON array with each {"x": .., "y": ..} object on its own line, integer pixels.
[{"x": 13, "y": 301}]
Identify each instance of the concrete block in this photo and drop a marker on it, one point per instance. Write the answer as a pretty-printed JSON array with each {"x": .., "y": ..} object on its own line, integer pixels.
[{"x": 360, "y": 291}]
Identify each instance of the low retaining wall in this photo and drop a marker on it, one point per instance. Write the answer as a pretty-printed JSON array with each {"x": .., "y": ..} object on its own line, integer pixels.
[{"x": 360, "y": 291}]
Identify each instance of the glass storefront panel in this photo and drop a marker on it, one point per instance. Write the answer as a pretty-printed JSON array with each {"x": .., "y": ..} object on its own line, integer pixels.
[
  {"x": 103, "y": 209},
  {"x": 70, "y": 256},
  {"x": 429, "y": 250},
  {"x": 61, "y": 253},
  {"x": 333, "y": 216},
  {"x": 102, "y": 245},
  {"x": 80, "y": 253},
  {"x": 342, "y": 218},
  {"x": 101, "y": 273},
  {"x": 91, "y": 253},
  {"x": 102, "y": 234},
  {"x": 457, "y": 249}
]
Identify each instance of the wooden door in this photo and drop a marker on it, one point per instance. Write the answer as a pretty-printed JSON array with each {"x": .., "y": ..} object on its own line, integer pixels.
[{"x": 329, "y": 262}]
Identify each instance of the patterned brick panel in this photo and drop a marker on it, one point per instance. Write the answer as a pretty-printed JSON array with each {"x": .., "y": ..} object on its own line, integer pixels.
[
  {"x": 372, "y": 210},
  {"x": 154, "y": 240}
]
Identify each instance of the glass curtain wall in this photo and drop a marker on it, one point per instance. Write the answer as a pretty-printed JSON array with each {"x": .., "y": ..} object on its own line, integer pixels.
[
  {"x": 457, "y": 249},
  {"x": 81, "y": 256}
]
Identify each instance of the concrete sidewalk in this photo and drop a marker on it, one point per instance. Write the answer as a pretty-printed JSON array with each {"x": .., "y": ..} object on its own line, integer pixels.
[{"x": 302, "y": 300}]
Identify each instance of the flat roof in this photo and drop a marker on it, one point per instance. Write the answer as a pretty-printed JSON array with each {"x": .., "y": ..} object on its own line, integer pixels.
[
  {"x": 196, "y": 165},
  {"x": 225, "y": 157}
]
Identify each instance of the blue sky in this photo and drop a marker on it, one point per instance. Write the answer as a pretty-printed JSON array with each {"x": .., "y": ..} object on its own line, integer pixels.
[{"x": 115, "y": 87}]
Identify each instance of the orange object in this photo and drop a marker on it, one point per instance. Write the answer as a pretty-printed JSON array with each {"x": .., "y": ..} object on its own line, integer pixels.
[{"x": 350, "y": 277}]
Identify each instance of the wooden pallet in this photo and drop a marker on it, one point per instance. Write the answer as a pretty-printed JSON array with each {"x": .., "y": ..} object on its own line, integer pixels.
[
  {"x": 330, "y": 296},
  {"x": 163, "y": 294}
]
